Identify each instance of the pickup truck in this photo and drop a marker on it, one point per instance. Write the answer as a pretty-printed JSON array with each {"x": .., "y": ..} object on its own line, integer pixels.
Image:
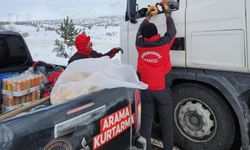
[{"x": 107, "y": 120}]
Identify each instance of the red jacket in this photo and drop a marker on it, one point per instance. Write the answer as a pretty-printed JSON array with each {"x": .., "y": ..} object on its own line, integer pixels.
[{"x": 153, "y": 56}]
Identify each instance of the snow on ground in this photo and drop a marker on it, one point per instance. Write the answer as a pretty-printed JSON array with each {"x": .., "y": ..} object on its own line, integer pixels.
[{"x": 41, "y": 43}]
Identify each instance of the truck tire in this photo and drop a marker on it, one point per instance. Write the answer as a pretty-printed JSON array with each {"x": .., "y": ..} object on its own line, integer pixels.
[{"x": 202, "y": 118}]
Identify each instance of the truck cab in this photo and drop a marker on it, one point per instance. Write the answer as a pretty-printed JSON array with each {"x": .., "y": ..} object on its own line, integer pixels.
[
  {"x": 14, "y": 54},
  {"x": 210, "y": 59}
]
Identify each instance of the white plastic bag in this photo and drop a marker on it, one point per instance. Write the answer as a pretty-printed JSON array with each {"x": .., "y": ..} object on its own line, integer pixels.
[{"x": 88, "y": 75}]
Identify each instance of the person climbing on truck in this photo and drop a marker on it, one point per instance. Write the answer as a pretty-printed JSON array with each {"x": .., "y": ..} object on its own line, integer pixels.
[
  {"x": 84, "y": 49},
  {"x": 154, "y": 67}
]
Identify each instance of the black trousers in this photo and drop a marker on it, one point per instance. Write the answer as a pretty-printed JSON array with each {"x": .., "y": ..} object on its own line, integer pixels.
[{"x": 160, "y": 101}]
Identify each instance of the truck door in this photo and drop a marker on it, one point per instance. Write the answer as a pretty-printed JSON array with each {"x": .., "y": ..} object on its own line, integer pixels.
[
  {"x": 177, "y": 51},
  {"x": 216, "y": 35}
]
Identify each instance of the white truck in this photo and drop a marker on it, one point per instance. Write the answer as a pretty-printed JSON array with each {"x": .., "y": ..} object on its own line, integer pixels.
[{"x": 211, "y": 66}]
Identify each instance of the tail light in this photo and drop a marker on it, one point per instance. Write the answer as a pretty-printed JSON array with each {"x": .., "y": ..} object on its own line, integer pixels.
[{"x": 137, "y": 97}]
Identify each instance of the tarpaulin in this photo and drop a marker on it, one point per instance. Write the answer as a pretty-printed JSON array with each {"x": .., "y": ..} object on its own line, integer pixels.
[{"x": 84, "y": 76}]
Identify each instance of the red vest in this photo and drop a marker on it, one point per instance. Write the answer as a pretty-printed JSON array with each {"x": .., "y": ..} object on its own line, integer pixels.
[
  {"x": 153, "y": 55},
  {"x": 154, "y": 62}
]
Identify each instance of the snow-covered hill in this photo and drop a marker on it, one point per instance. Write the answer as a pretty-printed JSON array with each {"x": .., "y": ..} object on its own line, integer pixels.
[
  {"x": 17, "y": 10},
  {"x": 41, "y": 35},
  {"x": 37, "y": 21}
]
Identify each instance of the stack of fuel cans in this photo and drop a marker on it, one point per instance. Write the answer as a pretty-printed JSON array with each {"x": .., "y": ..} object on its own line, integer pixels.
[{"x": 20, "y": 90}]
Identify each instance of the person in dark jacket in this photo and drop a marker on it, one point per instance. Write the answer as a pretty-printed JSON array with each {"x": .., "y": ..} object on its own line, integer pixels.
[
  {"x": 84, "y": 49},
  {"x": 154, "y": 67}
]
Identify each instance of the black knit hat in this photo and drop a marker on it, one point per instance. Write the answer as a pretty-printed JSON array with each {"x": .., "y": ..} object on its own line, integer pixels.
[{"x": 149, "y": 30}]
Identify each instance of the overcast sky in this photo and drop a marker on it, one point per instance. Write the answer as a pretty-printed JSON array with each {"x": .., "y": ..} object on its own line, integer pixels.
[{"x": 52, "y": 9}]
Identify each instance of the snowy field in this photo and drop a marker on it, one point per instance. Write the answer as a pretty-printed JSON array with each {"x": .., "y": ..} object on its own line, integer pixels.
[{"x": 40, "y": 40}]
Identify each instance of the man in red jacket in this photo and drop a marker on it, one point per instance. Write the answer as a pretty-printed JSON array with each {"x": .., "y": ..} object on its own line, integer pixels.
[
  {"x": 154, "y": 68},
  {"x": 84, "y": 49}
]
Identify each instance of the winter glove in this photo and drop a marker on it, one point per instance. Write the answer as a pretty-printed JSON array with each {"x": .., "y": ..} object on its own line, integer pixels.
[
  {"x": 152, "y": 11},
  {"x": 113, "y": 51},
  {"x": 167, "y": 10}
]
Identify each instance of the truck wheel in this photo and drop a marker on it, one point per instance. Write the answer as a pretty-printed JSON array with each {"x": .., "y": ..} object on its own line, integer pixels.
[{"x": 203, "y": 120}]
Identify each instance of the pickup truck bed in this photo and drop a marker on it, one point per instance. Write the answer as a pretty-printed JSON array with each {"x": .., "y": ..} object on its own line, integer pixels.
[
  {"x": 104, "y": 120},
  {"x": 34, "y": 130}
]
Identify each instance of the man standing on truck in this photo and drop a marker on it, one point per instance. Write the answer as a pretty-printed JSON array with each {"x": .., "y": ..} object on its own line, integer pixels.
[
  {"x": 84, "y": 49},
  {"x": 154, "y": 68}
]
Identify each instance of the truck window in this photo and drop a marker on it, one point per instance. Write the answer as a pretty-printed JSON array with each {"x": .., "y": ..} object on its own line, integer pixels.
[
  {"x": 142, "y": 6},
  {"x": 12, "y": 51}
]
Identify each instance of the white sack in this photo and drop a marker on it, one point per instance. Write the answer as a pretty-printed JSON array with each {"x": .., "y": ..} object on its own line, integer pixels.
[{"x": 88, "y": 75}]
